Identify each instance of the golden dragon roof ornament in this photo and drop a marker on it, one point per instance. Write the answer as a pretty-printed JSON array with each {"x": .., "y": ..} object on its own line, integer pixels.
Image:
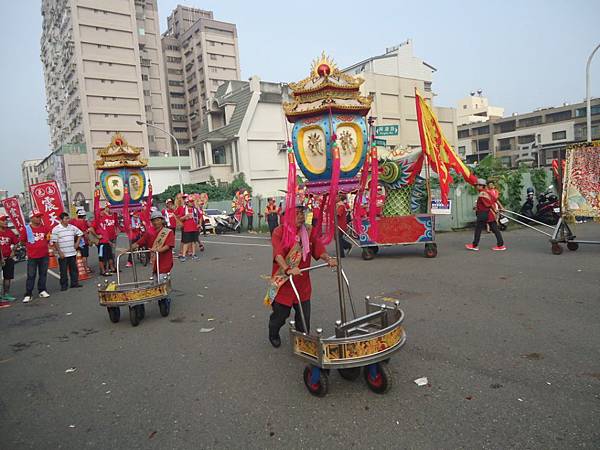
[{"x": 119, "y": 154}]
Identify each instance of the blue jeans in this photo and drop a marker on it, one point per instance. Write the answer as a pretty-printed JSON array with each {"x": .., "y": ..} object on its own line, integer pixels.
[{"x": 39, "y": 266}]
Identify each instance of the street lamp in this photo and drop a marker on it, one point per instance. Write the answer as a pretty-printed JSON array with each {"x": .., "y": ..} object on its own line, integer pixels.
[
  {"x": 139, "y": 122},
  {"x": 588, "y": 95}
]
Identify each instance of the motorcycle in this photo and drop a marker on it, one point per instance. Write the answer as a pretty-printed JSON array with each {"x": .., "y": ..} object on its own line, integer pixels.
[
  {"x": 548, "y": 208},
  {"x": 227, "y": 222},
  {"x": 20, "y": 253}
]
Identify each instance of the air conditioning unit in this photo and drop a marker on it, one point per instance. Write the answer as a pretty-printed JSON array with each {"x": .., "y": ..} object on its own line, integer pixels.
[{"x": 281, "y": 147}]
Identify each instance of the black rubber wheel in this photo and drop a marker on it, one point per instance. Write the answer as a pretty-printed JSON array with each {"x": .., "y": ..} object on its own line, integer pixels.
[
  {"x": 134, "y": 318},
  {"x": 573, "y": 246},
  {"x": 141, "y": 311},
  {"x": 382, "y": 382},
  {"x": 368, "y": 253},
  {"x": 430, "y": 250},
  {"x": 556, "y": 249},
  {"x": 502, "y": 227},
  {"x": 164, "y": 305},
  {"x": 321, "y": 388},
  {"x": 114, "y": 313},
  {"x": 350, "y": 374},
  {"x": 375, "y": 249}
]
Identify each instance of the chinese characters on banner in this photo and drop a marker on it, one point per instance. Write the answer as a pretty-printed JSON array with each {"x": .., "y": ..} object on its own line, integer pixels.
[
  {"x": 13, "y": 210},
  {"x": 47, "y": 199}
]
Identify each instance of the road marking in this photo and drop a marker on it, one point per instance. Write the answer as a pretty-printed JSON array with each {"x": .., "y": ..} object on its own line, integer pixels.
[
  {"x": 54, "y": 274},
  {"x": 237, "y": 243},
  {"x": 243, "y": 237}
]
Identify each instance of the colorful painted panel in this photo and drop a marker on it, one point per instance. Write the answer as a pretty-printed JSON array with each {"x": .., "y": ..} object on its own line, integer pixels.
[
  {"x": 400, "y": 230},
  {"x": 134, "y": 295},
  {"x": 311, "y": 139},
  {"x": 305, "y": 346},
  {"x": 581, "y": 187},
  {"x": 367, "y": 347},
  {"x": 112, "y": 182}
]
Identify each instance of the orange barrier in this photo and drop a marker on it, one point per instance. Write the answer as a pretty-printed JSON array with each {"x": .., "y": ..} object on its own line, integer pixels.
[
  {"x": 83, "y": 273},
  {"x": 52, "y": 262}
]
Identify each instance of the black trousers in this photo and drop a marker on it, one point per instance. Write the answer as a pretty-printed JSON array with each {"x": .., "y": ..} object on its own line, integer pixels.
[
  {"x": 39, "y": 267},
  {"x": 344, "y": 244},
  {"x": 250, "y": 220},
  {"x": 281, "y": 313},
  {"x": 69, "y": 263},
  {"x": 493, "y": 226}
]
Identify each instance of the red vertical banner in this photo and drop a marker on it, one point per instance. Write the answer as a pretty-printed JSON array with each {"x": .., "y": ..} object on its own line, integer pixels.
[
  {"x": 47, "y": 200},
  {"x": 13, "y": 210}
]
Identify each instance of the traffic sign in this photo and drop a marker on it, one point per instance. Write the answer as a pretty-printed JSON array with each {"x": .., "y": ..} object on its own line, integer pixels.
[
  {"x": 379, "y": 142},
  {"x": 386, "y": 130}
]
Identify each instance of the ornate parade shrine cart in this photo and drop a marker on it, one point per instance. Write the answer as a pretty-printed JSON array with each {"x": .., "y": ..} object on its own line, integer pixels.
[
  {"x": 135, "y": 294},
  {"x": 122, "y": 182},
  {"x": 330, "y": 143}
]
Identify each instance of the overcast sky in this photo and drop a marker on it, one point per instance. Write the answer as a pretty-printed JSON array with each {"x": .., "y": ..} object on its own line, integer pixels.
[{"x": 522, "y": 54}]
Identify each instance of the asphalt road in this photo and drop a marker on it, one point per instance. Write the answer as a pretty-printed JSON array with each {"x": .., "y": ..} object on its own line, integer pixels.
[{"x": 510, "y": 344}]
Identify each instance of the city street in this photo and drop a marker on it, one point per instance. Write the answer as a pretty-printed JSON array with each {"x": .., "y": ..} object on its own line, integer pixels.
[{"x": 509, "y": 343}]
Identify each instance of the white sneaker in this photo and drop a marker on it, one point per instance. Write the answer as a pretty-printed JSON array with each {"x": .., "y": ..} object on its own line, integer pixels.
[
  {"x": 44, "y": 294},
  {"x": 27, "y": 299}
]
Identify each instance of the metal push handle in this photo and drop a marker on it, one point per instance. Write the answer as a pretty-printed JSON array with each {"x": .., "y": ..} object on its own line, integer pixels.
[{"x": 133, "y": 259}]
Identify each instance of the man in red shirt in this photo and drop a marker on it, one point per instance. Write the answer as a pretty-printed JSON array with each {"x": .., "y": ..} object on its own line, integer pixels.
[
  {"x": 84, "y": 243},
  {"x": 484, "y": 211},
  {"x": 169, "y": 215},
  {"x": 189, "y": 216},
  {"x": 36, "y": 240},
  {"x": 8, "y": 240},
  {"x": 288, "y": 262},
  {"x": 105, "y": 226}
]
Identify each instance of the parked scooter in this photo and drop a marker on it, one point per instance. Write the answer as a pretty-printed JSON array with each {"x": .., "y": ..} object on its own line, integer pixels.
[
  {"x": 227, "y": 222},
  {"x": 547, "y": 210}
]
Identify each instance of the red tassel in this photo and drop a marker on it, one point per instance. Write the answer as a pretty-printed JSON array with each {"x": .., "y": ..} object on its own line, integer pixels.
[
  {"x": 357, "y": 210},
  {"x": 333, "y": 192},
  {"x": 289, "y": 218},
  {"x": 373, "y": 231}
]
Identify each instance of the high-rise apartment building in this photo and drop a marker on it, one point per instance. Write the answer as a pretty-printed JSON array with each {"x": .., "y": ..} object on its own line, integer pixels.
[
  {"x": 29, "y": 170},
  {"x": 200, "y": 54},
  {"x": 476, "y": 108},
  {"x": 103, "y": 72}
]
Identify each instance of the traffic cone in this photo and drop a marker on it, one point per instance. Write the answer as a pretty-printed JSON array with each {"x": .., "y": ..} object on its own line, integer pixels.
[
  {"x": 83, "y": 273},
  {"x": 52, "y": 262}
]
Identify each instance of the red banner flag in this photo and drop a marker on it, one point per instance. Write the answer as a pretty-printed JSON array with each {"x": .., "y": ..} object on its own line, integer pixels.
[
  {"x": 48, "y": 201},
  {"x": 435, "y": 147},
  {"x": 13, "y": 210}
]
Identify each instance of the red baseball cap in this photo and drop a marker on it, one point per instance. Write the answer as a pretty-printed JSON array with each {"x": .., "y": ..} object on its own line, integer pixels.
[{"x": 3, "y": 218}]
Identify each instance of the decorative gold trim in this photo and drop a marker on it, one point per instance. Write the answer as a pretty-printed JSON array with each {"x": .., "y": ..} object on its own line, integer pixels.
[{"x": 120, "y": 154}]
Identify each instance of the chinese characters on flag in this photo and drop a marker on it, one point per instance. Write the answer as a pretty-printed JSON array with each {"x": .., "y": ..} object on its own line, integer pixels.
[
  {"x": 47, "y": 199},
  {"x": 13, "y": 210}
]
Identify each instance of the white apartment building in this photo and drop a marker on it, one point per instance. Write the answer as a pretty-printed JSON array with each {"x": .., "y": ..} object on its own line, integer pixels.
[
  {"x": 200, "y": 54},
  {"x": 244, "y": 132},
  {"x": 476, "y": 108},
  {"x": 533, "y": 138},
  {"x": 30, "y": 175},
  {"x": 391, "y": 79},
  {"x": 103, "y": 72}
]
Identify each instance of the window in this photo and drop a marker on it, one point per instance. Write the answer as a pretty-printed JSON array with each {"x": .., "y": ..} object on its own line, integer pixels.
[
  {"x": 557, "y": 117},
  {"x": 218, "y": 155},
  {"x": 506, "y": 127},
  {"x": 141, "y": 31},
  {"x": 146, "y": 92},
  {"x": 175, "y": 71},
  {"x": 200, "y": 157},
  {"x": 180, "y": 129},
  {"x": 179, "y": 118},
  {"x": 144, "y": 77},
  {"x": 483, "y": 145},
  {"x": 177, "y": 106},
  {"x": 504, "y": 144},
  {"x": 464, "y": 106},
  {"x": 174, "y": 82},
  {"x": 581, "y": 112},
  {"x": 212, "y": 56},
  {"x": 148, "y": 108},
  {"x": 176, "y": 94},
  {"x": 530, "y": 121},
  {"x": 463, "y": 134},
  {"x": 427, "y": 86},
  {"x": 559, "y": 135},
  {"x": 173, "y": 59},
  {"x": 213, "y": 69},
  {"x": 481, "y": 130},
  {"x": 527, "y": 139},
  {"x": 461, "y": 150}
]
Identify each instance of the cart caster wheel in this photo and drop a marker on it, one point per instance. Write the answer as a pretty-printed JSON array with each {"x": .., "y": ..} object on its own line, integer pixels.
[
  {"x": 164, "y": 305},
  {"x": 141, "y": 311},
  {"x": 114, "y": 313},
  {"x": 556, "y": 249},
  {"x": 378, "y": 377},
  {"x": 134, "y": 315},
  {"x": 316, "y": 381},
  {"x": 350, "y": 374},
  {"x": 430, "y": 250},
  {"x": 368, "y": 253},
  {"x": 573, "y": 246}
]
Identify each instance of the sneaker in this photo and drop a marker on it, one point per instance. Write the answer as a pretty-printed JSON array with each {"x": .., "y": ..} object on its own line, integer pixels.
[
  {"x": 182, "y": 258},
  {"x": 44, "y": 294},
  {"x": 471, "y": 247},
  {"x": 275, "y": 341},
  {"x": 129, "y": 264},
  {"x": 499, "y": 248},
  {"x": 27, "y": 299},
  {"x": 195, "y": 257},
  {"x": 8, "y": 298},
  {"x": 4, "y": 305}
]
